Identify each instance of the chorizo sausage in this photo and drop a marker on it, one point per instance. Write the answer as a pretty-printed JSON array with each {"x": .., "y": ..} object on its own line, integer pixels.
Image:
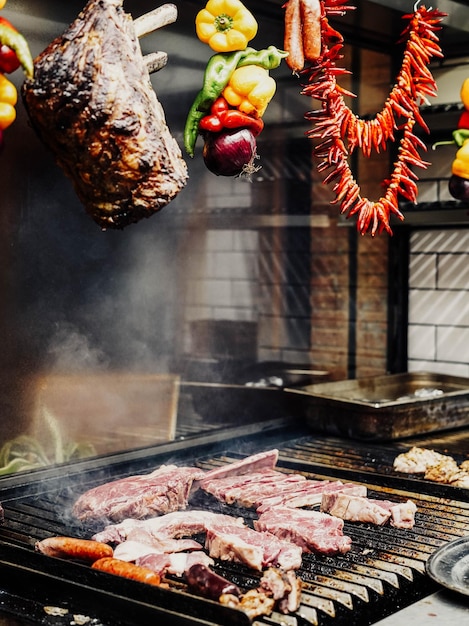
[
  {"x": 74, "y": 548},
  {"x": 293, "y": 40},
  {"x": 127, "y": 570},
  {"x": 310, "y": 13}
]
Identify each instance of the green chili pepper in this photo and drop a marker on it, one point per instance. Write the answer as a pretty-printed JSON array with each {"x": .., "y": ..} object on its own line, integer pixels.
[
  {"x": 269, "y": 58},
  {"x": 18, "y": 43},
  {"x": 460, "y": 136},
  {"x": 217, "y": 74}
]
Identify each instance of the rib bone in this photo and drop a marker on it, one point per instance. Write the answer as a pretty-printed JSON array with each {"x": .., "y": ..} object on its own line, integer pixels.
[
  {"x": 155, "y": 61},
  {"x": 151, "y": 21}
]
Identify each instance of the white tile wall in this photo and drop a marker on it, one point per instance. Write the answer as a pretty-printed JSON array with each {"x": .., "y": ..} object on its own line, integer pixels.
[
  {"x": 438, "y": 334},
  {"x": 222, "y": 281}
]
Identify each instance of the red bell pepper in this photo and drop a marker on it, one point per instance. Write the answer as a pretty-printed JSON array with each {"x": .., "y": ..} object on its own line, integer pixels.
[
  {"x": 221, "y": 116},
  {"x": 463, "y": 121},
  {"x": 9, "y": 62}
]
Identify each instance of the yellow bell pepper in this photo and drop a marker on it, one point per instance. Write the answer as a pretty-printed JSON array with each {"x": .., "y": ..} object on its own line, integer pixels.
[
  {"x": 225, "y": 25},
  {"x": 8, "y": 99},
  {"x": 250, "y": 89},
  {"x": 460, "y": 165},
  {"x": 465, "y": 93},
  {"x": 2, "y": 3}
]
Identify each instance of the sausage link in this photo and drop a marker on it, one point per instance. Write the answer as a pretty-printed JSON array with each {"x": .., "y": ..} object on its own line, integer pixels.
[
  {"x": 293, "y": 40},
  {"x": 74, "y": 548},
  {"x": 310, "y": 11},
  {"x": 127, "y": 570},
  {"x": 208, "y": 583}
]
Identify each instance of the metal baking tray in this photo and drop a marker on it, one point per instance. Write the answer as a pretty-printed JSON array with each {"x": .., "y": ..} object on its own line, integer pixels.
[{"x": 385, "y": 407}]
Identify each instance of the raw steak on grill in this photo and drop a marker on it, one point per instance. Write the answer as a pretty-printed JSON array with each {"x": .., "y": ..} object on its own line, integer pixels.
[
  {"x": 92, "y": 103},
  {"x": 172, "y": 525},
  {"x": 256, "y": 462},
  {"x": 255, "y": 549},
  {"x": 174, "y": 563},
  {"x": 355, "y": 508},
  {"x": 165, "y": 490},
  {"x": 132, "y": 550},
  {"x": 249, "y": 489},
  {"x": 312, "y": 531},
  {"x": 308, "y": 493}
]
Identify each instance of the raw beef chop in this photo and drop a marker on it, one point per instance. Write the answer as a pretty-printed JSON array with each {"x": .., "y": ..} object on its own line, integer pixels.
[
  {"x": 165, "y": 490},
  {"x": 312, "y": 531}
]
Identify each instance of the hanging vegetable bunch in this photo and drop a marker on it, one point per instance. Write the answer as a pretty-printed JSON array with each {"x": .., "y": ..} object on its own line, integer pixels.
[
  {"x": 227, "y": 112},
  {"x": 14, "y": 53},
  {"x": 459, "y": 182},
  {"x": 314, "y": 48}
]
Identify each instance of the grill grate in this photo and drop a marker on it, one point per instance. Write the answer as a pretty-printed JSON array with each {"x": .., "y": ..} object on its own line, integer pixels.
[{"x": 384, "y": 569}]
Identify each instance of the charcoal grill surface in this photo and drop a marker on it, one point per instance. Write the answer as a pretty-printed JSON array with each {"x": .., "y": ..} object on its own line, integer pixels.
[{"x": 384, "y": 571}]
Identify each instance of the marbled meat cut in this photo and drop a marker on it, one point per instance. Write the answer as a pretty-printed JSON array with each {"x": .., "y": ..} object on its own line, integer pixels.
[
  {"x": 255, "y": 549},
  {"x": 173, "y": 525},
  {"x": 312, "y": 531},
  {"x": 248, "y": 490},
  {"x": 261, "y": 461},
  {"x": 175, "y": 563},
  {"x": 308, "y": 493},
  {"x": 354, "y": 508},
  {"x": 132, "y": 550},
  {"x": 92, "y": 103},
  {"x": 165, "y": 490}
]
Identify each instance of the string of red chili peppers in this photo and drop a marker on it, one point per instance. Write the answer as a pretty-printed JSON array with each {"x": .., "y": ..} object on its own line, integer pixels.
[{"x": 340, "y": 131}]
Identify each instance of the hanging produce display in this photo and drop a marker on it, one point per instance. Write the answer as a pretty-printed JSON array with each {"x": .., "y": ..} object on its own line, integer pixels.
[
  {"x": 338, "y": 131},
  {"x": 14, "y": 53},
  {"x": 237, "y": 87},
  {"x": 459, "y": 182}
]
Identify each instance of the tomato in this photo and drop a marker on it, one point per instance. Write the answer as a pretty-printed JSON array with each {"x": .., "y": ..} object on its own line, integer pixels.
[
  {"x": 8, "y": 92},
  {"x": 7, "y": 115}
]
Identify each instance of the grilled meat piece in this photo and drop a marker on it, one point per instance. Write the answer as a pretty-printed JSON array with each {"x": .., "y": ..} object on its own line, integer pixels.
[
  {"x": 163, "y": 491},
  {"x": 249, "y": 489},
  {"x": 284, "y": 587},
  {"x": 255, "y": 549},
  {"x": 312, "y": 531},
  {"x": 262, "y": 461},
  {"x": 308, "y": 493},
  {"x": 176, "y": 524},
  {"x": 174, "y": 563},
  {"x": 92, "y": 103},
  {"x": 418, "y": 460},
  {"x": 356, "y": 508}
]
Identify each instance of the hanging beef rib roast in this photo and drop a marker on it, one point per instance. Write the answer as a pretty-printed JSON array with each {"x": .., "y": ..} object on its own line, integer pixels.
[{"x": 92, "y": 103}]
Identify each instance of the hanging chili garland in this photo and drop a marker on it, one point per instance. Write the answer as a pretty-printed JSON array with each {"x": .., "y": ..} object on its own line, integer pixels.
[{"x": 340, "y": 131}]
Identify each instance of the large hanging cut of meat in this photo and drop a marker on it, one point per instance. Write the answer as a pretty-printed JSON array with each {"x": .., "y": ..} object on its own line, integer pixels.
[{"x": 92, "y": 103}]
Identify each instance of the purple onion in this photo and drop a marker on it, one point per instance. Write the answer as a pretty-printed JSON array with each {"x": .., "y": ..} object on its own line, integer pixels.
[{"x": 230, "y": 152}]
